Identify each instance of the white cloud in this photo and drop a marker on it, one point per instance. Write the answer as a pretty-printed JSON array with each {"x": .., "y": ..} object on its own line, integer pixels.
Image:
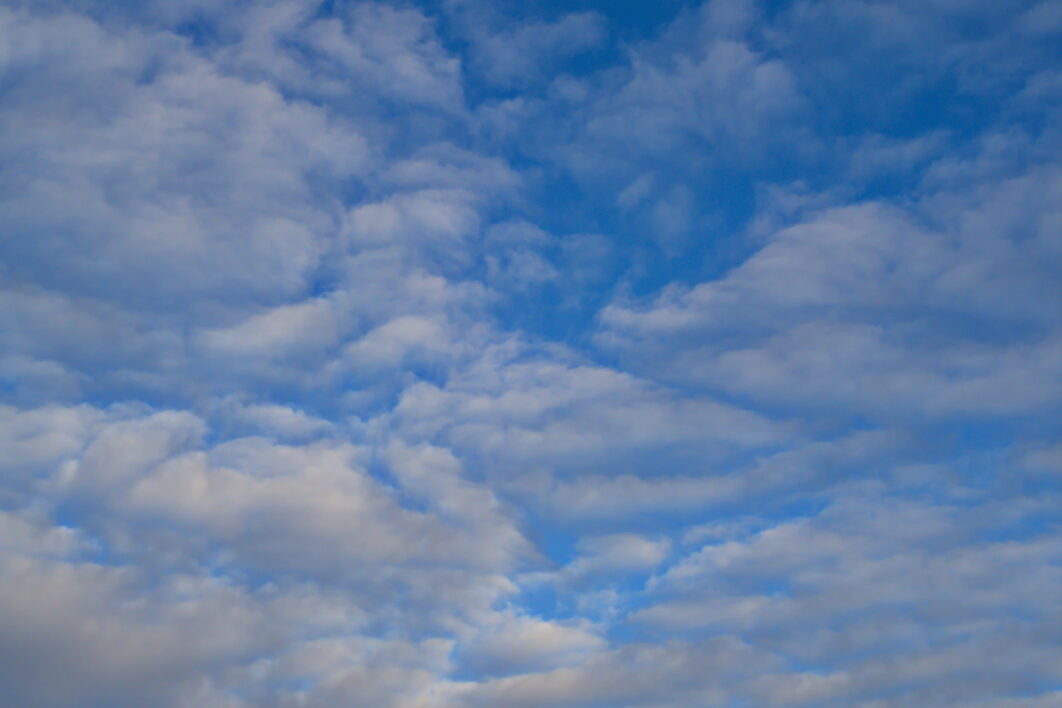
[
  {"x": 509, "y": 410},
  {"x": 530, "y": 50},
  {"x": 308, "y": 398},
  {"x": 850, "y": 308},
  {"x": 625, "y": 552},
  {"x": 310, "y": 324},
  {"x": 519, "y": 645}
]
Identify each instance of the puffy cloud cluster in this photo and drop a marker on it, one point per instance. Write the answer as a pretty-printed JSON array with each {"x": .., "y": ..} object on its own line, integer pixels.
[{"x": 459, "y": 354}]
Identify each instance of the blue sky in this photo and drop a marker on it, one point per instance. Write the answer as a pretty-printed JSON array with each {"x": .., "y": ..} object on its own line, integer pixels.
[{"x": 542, "y": 354}]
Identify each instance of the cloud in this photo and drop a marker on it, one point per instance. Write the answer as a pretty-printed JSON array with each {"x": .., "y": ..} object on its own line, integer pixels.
[
  {"x": 162, "y": 172},
  {"x": 77, "y": 631},
  {"x": 864, "y": 564},
  {"x": 520, "y": 645},
  {"x": 519, "y": 56},
  {"x": 850, "y": 308},
  {"x": 568, "y": 416},
  {"x": 614, "y": 553},
  {"x": 413, "y": 355}
]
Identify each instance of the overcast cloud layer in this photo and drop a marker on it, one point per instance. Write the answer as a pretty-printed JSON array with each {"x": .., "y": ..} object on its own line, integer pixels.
[{"x": 530, "y": 354}]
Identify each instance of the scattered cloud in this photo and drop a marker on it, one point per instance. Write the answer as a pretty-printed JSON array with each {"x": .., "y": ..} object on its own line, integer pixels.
[{"x": 416, "y": 355}]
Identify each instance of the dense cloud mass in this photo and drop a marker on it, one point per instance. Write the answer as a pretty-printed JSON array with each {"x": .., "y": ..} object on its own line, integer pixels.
[{"x": 467, "y": 354}]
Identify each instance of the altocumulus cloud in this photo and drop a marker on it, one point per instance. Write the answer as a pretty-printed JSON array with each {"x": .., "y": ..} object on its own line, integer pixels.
[{"x": 460, "y": 353}]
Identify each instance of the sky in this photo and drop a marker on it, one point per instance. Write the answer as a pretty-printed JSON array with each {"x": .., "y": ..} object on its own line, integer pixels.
[{"x": 587, "y": 354}]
